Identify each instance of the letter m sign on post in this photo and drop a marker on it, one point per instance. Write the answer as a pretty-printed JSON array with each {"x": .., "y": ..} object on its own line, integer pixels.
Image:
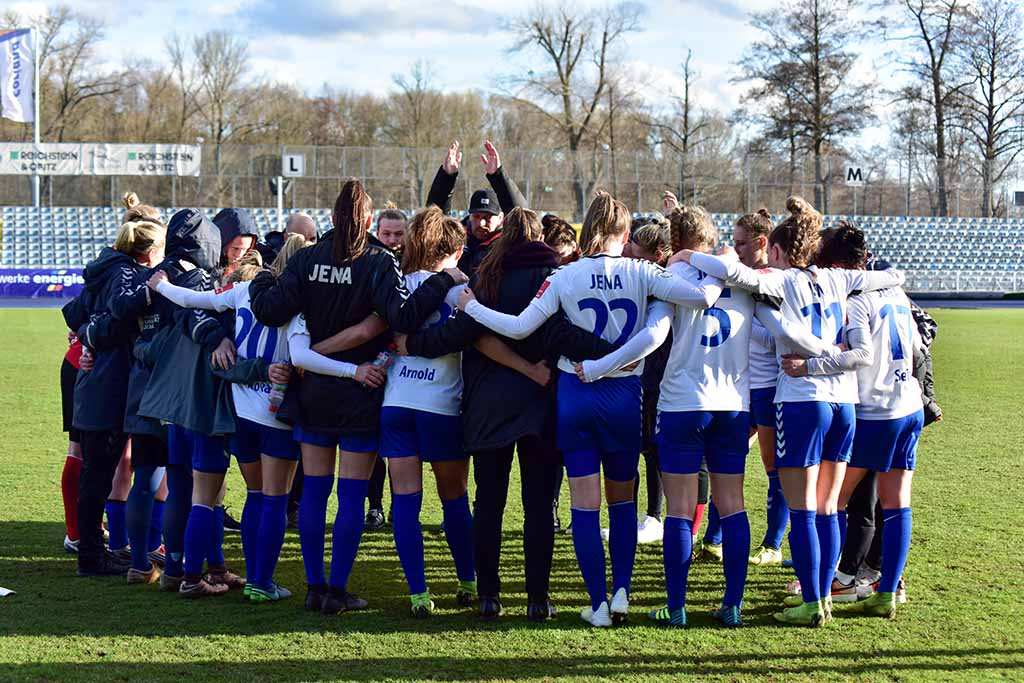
[{"x": 854, "y": 175}]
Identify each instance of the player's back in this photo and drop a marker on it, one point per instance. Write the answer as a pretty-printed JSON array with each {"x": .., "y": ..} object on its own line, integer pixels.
[
  {"x": 253, "y": 339},
  {"x": 887, "y": 387},
  {"x": 708, "y": 365}
]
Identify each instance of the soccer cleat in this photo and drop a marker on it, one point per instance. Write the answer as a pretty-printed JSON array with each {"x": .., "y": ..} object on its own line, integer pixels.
[
  {"x": 901, "y": 591},
  {"x": 620, "y": 606},
  {"x": 600, "y": 618},
  {"x": 225, "y": 577},
  {"x": 104, "y": 566},
  {"x": 70, "y": 546},
  {"x": 230, "y": 523},
  {"x": 374, "y": 520},
  {"x": 158, "y": 556},
  {"x": 708, "y": 552},
  {"x": 844, "y": 593},
  {"x": 867, "y": 576},
  {"x": 541, "y": 611},
  {"x": 728, "y": 615},
  {"x": 666, "y": 617},
  {"x": 878, "y": 605},
  {"x": 793, "y": 587},
  {"x": 123, "y": 555},
  {"x": 201, "y": 589},
  {"x": 465, "y": 594},
  {"x": 422, "y": 605},
  {"x": 337, "y": 601},
  {"x": 605, "y": 534},
  {"x": 807, "y": 614},
  {"x": 766, "y": 555},
  {"x": 315, "y": 598},
  {"x": 649, "y": 530},
  {"x": 145, "y": 577},
  {"x": 274, "y": 594},
  {"x": 793, "y": 600},
  {"x": 826, "y": 607},
  {"x": 170, "y": 584},
  {"x": 490, "y": 607}
]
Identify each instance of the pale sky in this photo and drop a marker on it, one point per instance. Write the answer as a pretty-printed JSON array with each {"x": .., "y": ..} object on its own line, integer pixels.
[{"x": 359, "y": 44}]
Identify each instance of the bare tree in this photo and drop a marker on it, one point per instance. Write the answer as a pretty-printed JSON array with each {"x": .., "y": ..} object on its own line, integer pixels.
[
  {"x": 993, "y": 55},
  {"x": 801, "y": 73},
  {"x": 578, "y": 48}
]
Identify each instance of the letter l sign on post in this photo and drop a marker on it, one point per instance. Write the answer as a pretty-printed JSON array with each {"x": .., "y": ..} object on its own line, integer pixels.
[{"x": 292, "y": 166}]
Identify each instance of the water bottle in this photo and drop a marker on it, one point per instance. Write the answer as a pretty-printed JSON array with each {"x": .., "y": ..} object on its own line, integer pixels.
[
  {"x": 383, "y": 359},
  {"x": 276, "y": 396}
]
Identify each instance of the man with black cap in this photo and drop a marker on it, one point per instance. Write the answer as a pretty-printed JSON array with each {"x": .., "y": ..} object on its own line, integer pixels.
[{"x": 487, "y": 207}]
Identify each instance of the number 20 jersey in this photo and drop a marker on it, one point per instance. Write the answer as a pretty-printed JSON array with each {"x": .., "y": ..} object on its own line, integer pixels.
[
  {"x": 708, "y": 367},
  {"x": 887, "y": 387}
]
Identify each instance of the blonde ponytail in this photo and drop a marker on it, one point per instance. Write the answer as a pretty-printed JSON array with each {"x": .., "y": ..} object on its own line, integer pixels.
[
  {"x": 138, "y": 238},
  {"x": 606, "y": 218},
  {"x": 134, "y": 210},
  {"x": 692, "y": 228},
  {"x": 799, "y": 235}
]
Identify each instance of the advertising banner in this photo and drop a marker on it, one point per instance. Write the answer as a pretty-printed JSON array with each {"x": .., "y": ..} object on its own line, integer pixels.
[
  {"x": 17, "y": 71},
  {"x": 24, "y": 158},
  {"x": 35, "y": 283},
  {"x": 88, "y": 158}
]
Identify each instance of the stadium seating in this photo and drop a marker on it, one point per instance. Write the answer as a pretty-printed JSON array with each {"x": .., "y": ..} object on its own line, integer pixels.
[{"x": 973, "y": 248}]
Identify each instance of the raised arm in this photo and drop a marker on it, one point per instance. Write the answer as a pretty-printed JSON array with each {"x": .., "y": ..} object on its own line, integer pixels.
[
  {"x": 502, "y": 354},
  {"x": 728, "y": 268},
  {"x": 351, "y": 337},
  {"x": 443, "y": 186},
  {"x": 642, "y": 344},
  {"x": 509, "y": 196}
]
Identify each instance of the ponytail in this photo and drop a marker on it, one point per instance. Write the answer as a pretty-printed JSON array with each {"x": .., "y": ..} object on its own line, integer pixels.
[
  {"x": 606, "y": 218},
  {"x": 294, "y": 243},
  {"x": 843, "y": 246},
  {"x": 691, "y": 227},
  {"x": 757, "y": 224},
  {"x": 351, "y": 211},
  {"x": 138, "y": 238},
  {"x": 431, "y": 237},
  {"x": 520, "y": 226},
  {"x": 137, "y": 211},
  {"x": 798, "y": 236}
]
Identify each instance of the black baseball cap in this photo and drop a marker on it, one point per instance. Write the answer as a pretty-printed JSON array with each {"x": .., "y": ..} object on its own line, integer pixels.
[{"x": 484, "y": 201}]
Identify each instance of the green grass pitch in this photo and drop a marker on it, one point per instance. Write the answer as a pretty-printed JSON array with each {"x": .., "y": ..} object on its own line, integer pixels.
[{"x": 965, "y": 575}]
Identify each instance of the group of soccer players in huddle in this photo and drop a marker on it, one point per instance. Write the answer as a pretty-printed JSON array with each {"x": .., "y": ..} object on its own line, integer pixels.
[{"x": 501, "y": 334}]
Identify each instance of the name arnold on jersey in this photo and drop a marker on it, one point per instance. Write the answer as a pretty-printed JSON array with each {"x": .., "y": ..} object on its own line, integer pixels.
[{"x": 334, "y": 275}]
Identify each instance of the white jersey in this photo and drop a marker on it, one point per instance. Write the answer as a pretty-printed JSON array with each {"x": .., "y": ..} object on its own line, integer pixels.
[
  {"x": 433, "y": 385},
  {"x": 764, "y": 366},
  {"x": 813, "y": 301},
  {"x": 708, "y": 365},
  {"x": 252, "y": 340},
  {"x": 888, "y": 389}
]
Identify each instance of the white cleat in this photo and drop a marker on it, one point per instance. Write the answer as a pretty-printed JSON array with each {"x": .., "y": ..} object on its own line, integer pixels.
[
  {"x": 69, "y": 545},
  {"x": 620, "y": 606},
  {"x": 649, "y": 530},
  {"x": 866, "y": 576},
  {"x": 598, "y": 619},
  {"x": 605, "y": 534}
]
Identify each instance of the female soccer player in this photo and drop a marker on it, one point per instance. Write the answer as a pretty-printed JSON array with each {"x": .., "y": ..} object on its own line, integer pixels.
[
  {"x": 882, "y": 337},
  {"x": 815, "y": 415},
  {"x": 336, "y": 284},
  {"x": 73, "y": 461},
  {"x": 750, "y": 238},
  {"x": 599, "y": 424}
]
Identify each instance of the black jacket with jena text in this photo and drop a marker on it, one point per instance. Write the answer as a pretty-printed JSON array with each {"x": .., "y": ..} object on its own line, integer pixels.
[{"x": 333, "y": 297}]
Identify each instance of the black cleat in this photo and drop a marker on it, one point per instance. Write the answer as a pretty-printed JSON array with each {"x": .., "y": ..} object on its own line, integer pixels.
[
  {"x": 104, "y": 566},
  {"x": 541, "y": 611},
  {"x": 374, "y": 520},
  {"x": 315, "y": 598},
  {"x": 230, "y": 523},
  {"x": 337, "y": 601},
  {"x": 490, "y": 607}
]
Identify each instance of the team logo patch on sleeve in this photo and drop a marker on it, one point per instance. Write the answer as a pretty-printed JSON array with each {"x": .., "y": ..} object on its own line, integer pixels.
[{"x": 543, "y": 288}]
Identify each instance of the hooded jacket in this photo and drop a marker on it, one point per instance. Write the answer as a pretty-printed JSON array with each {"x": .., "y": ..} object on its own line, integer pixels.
[
  {"x": 185, "y": 389},
  {"x": 499, "y": 405},
  {"x": 234, "y": 223},
  {"x": 193, "y": 250},
  {"x": 101, "y": 394},
  {"x": 332, "y": 297}
]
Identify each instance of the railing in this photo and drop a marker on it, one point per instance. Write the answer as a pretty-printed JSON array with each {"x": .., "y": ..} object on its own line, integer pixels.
[{"x": 957, "y": 281}]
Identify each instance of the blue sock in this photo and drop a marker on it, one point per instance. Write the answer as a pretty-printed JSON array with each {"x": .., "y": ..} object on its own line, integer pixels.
[
  {"x": 622, "y": 543},
  {"x": 778, "y": 512},
  {"x": 828, "y": 541},
  {"x": 252, "y": 512},
  {"x": 139, "y": 513},
  {"x": 806, "y": 553},
  {"x": 156, "y": 526},
  {"x": 586, "y": 538},
  {"x": 116, "y": 524},
  {"x": 896, "y": 527},
  {"x": 458, "y": 530},
  {"x": 179, "y": 504},
  {"x": 713, "y": 534},
  {"x": 348, "y": 529},
  {"x": 216, "y": 556},
  {"x": 273, "y": 522},
  {"x": 677, "y": 550},
  {"x": 313, "y": 525},
  {"x": 198, "y": 539},
  {"x": 405, "y": 511},
  {"x": 842, "y": 530},
  {"x": 735, "y": 556}
]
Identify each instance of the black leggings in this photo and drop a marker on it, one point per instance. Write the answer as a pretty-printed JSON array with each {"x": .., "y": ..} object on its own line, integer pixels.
[
  {"x": 863, "y": 538},
  {"x": 653, "y": 478},
  {"x": 539, "y": 466},
  {"x": 101, "y": 452},
  {"x": 376, "y": 493}
]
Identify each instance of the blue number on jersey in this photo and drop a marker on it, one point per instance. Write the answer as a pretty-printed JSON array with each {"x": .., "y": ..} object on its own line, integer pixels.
[
  {"x": 724, "y": 325},
  {"x": 252, "y": 333},
  {"x": 443, "y": 313},
  {"x": 816, "y": 313},
  {"x": 602, "y": 313},
  {"x": 891, "y": 314}
]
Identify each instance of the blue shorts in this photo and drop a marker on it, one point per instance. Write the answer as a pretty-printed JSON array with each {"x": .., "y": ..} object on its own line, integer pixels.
[
  {"x": 883, "y": 445},
  {"x": 605, "y": 416},
  {"x": 686, "y": 438},
  {"x": 200, "y": 452},
  {"x": 252, "y": 439},
  {"x": 762, "y": 407},
  {"x": 433, "y": 437},
  {"x": 617, "y": 465},
  {"x": 353, "y": 443},
  {"x": 807, "y": 432}
]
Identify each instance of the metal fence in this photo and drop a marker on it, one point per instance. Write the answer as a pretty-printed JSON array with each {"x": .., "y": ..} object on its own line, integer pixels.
[
  {"x": 240, "y": 175},
  {"x": 964, "y": 281}
]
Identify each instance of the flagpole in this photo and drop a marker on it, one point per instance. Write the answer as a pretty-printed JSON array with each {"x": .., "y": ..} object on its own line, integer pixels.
[{"x": 35, "y": 117}]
